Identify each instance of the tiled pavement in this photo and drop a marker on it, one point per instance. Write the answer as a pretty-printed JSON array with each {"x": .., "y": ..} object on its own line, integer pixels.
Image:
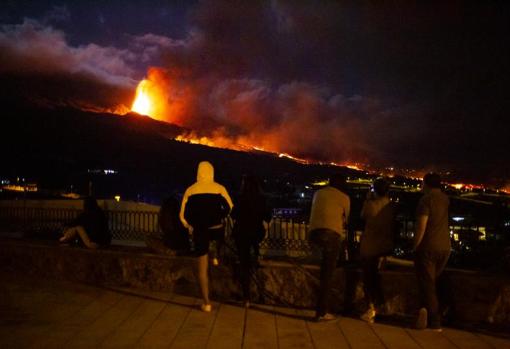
[{"x": 36, "y": 313}]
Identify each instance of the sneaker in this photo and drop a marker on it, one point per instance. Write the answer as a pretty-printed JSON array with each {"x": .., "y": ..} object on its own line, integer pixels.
[
  {"x": 369, "y": 315},
  {"x": 435, "y": 324},
  {"x": 435, "y": 328},
  {"x": 421, "y": 321},
  {"x": 325, "y": 317},
  {"x": 206, "y": 308}
]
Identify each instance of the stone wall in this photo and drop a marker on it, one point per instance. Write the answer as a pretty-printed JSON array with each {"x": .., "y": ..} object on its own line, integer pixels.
[{"x": 475, "y": 297}]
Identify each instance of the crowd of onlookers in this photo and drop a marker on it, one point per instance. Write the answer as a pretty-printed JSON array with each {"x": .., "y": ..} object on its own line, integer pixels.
[
  {"x": 328, "y": 228},
  {"x": 205, "y": 205}
]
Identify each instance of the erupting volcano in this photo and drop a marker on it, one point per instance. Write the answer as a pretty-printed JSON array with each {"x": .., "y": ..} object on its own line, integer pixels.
[
  {"x": 296, "y": 120},
  {"x": 154, "y": 98},
  {"x": 160, "y": 97},
  {"x": 142, "y": 103},
  {"x": 301, "y": 80}
]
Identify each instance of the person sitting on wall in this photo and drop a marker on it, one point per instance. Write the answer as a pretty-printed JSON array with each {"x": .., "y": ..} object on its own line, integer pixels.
[
  {"x": 172, "y": 239},
  {"x": 90, "y": 228},
  {"x": 204, "y": 206}
]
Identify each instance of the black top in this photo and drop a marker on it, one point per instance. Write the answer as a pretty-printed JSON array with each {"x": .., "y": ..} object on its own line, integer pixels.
[
  {"x": 175, "y": 235},
  {"x": 249, "y": 215},
  {"x": 206, "y": 210}
]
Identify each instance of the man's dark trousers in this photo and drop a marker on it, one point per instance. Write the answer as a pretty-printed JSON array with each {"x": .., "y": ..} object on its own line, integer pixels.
[
  {"x": 329, "y": 243},
  {"x": 429, "y": 266}
]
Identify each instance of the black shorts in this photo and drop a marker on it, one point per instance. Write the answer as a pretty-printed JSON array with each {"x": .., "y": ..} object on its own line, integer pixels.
[{"x": 202, "y": 238}]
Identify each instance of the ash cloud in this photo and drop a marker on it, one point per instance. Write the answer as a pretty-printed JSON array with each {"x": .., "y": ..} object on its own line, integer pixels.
[
  {"x": 253, "y": 73},
  {"x": 408, "y": 85},
  {"x": 43, "y": 67},
  {"x": 413, "y": 85}
]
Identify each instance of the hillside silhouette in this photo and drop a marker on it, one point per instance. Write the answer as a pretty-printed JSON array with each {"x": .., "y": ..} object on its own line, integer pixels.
[{"x": 59, "y": 145}]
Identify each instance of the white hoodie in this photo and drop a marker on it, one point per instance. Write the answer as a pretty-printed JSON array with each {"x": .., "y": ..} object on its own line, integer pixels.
[{"x": 205, "y": 184}]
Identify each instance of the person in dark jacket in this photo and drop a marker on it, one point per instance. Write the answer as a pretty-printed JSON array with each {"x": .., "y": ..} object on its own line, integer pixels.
[
  {"x": 175, "y": 236},
  {"x": 251, "y": 217},
  {"x": 90, "y": 228},
  {"x": 204, "y": 206},
  {"x": 174, "y": 240},
  {"x": 378, "y": 212}
]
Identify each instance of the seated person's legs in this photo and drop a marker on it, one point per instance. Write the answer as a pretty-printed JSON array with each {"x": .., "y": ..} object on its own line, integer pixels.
[
  {"x": 72, "y": 232},
  {"x": 68, "y": 234},
  {"x": 85, "y": 238}
]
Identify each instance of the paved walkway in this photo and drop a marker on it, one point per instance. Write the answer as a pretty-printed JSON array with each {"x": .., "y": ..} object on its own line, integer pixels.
[{"x": 57, "y": 314}]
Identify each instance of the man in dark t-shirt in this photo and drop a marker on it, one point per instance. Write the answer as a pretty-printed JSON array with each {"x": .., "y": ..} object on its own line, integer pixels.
[{"x": 432, "y": 246}]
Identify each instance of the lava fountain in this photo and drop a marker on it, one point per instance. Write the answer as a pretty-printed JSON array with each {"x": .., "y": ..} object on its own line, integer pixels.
[{"x": 142, "y": 103}]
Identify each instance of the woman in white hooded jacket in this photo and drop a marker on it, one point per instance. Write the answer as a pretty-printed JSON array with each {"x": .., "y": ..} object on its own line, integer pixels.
[{"x": 204, "y": 206}]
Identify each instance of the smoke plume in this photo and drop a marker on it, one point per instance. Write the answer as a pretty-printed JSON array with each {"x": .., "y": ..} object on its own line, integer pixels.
[
  {"x": 384, "y": 85},
  {"x": 39, "y": 64}
]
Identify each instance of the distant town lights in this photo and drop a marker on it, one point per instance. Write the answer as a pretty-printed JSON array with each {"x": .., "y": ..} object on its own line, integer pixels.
[
  {"x": 320, "y": 183},
  {"x": 105, "y": 171}
]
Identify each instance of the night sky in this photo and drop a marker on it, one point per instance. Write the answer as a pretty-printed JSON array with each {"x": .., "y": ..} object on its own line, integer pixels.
[{"x": 396, "y": 84}]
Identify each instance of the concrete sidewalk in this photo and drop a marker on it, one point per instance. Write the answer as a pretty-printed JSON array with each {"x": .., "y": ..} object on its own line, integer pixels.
[{"x": 37, "y": 313}]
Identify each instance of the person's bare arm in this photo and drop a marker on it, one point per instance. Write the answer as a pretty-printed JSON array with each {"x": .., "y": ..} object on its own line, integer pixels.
[{"x": 419, "y": 231}]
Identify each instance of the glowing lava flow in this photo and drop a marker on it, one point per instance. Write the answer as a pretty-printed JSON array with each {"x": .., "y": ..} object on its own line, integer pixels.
[
  {"x": 154, "y": 99},
  {"x": 142, "y": 104}
]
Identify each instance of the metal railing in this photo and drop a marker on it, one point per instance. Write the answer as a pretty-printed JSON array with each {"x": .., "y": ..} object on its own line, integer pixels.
[
  {"x": 33, "y": 219},
  {"x": 286, "y": 236},
  {"x": 133, "y": 225},
  {"x": 124, "y": 225}
]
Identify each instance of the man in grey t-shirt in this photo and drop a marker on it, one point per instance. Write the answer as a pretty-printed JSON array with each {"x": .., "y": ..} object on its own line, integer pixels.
[{"x": 432, "y": 245}]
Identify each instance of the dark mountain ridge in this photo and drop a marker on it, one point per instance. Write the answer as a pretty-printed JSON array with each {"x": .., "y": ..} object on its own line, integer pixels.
[{"x": 57, "y": 147}]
